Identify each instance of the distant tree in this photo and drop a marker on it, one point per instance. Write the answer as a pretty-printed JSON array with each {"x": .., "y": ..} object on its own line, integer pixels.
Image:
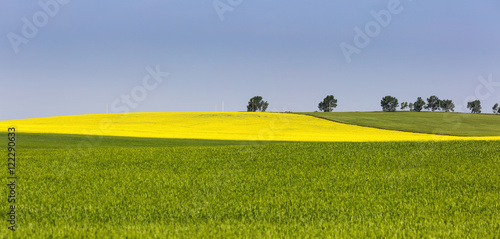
[
  {"x": 474, "y": 106},
  {"x": 417, "y": 106},
  {"x": 496, "y": 109},
  {"x": 404, "y": 105},
  {"x": 410, "y": 106},
  {"x": 433, "y": 103},
  {"x": 328, "y": 104},
  {"x": 257, "y": 104},
  {"x": 447, "y": 105},
  {"x": 389, "y": 103}
]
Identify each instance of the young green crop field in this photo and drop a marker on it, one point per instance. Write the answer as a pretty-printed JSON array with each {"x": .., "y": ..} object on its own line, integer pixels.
[
  {"x": 459, "y": 124},
  {"x": 113, "y": 187},
  {"x": 91, "y": 186}
]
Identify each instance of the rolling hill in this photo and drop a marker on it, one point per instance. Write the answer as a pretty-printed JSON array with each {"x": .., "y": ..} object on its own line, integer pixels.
[{"x": 245, "y": 126}]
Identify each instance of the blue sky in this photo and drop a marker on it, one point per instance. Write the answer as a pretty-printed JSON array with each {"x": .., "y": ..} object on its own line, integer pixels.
[{"x": 91, "y": 53}]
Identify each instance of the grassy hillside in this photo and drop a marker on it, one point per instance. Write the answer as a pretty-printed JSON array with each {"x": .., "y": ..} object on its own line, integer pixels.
[
  {"x": 423, "y": 122},
  {"x": 207, "y": 126},
  {"x": 231, "y": 126},
  {"x": 386, "y": 190}
]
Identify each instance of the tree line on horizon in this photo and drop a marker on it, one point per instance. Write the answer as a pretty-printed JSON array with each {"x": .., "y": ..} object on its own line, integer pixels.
[{"x": 388, "y": 104}]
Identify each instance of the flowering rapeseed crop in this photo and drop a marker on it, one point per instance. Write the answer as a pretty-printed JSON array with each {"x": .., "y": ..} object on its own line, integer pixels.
[{"x": 218, "y": 126}]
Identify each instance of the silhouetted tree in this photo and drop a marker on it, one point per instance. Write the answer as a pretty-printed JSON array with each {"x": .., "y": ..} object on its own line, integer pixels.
[
  {"x": 404, "y": 105},
  {"x": 328, "y": 104},
  {"x": 257, "y": 104},
  {"x": 495, "y": 109},
  {"x": 418, "y": 105},
  {"x": 474, "y": 106},
  {"x": 389, "y": 103},
  {"x": 433, "y": 103},
  {"x": 447, "y": 105}
]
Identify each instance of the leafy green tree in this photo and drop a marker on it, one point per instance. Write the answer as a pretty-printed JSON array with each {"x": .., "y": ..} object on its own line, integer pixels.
[
  {"x": 433, "y": 103},
  {"x": 410, "y": 106},
  {"x": 328, "y": 104},
  {"x": 495, "y": 109},
  {"x": 404, "y": 105},
  {"x": 447, "y": 105},
  {"x": 257, "y": 104},
  {"x": 389, "y": 103},
  {"x": 418, "y": 105},
  {"x": 474, "y": 106}
]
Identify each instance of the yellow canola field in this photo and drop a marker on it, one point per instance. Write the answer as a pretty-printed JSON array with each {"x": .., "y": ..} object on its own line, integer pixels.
[{"x": 220, "y": 126}]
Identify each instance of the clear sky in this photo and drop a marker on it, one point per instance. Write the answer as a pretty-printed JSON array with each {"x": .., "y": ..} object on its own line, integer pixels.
[{"x": 76, "y": 57}]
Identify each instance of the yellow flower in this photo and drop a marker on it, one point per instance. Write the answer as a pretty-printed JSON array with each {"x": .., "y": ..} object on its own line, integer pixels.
[{"x": 221, "y": 126}]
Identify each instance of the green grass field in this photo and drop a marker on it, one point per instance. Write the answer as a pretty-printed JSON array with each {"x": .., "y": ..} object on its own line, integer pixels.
[
  {"x": 75, "y": 186},
  {"x": 120, "y": 187},
  {"x": 459, "y": 124}
]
